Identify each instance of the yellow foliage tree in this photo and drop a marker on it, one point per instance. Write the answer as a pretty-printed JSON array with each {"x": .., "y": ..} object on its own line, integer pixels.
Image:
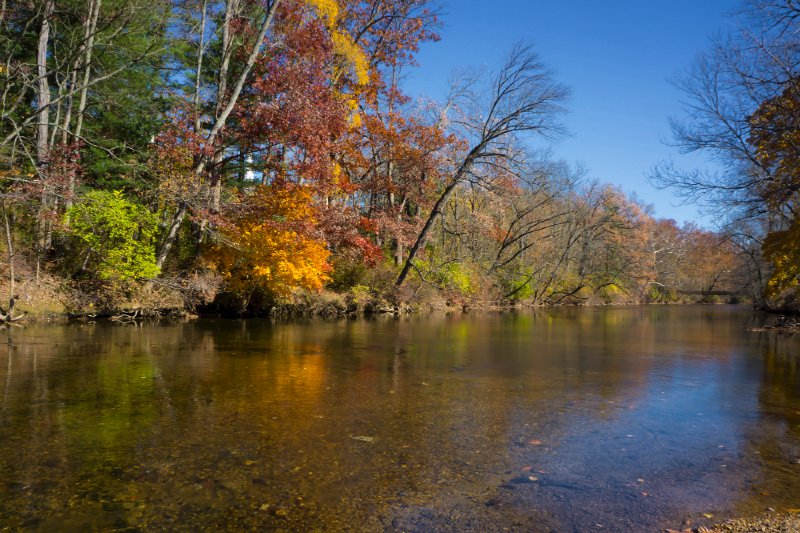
[
  {"x": 343, "y": 45},
  {"x": 775, "y": 133},
  {"x": 272, "y": 244},
  {"x": 782, "y": 248},
  {"x": 350, "y": 55}
]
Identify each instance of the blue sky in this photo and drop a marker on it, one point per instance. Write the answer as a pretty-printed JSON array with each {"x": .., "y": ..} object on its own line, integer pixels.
[{"x": 616, "y": 55}]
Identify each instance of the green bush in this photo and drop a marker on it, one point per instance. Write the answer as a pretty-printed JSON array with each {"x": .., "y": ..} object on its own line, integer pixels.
[
  {"x": 450, "y": 276},
  {"x": 116, "y": 235},
  {"x": 454, "y": 276},
  {"x": 347, "y": 273}
]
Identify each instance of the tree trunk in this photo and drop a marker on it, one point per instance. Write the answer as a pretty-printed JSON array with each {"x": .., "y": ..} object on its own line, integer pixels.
[
  {"x": 201, "y": 49},
  {"x": 423, "y": 235},
  {"x": 57, "y": 119},
  {"x": 68, "y": 111},
  {"x": 461, "y": 173},
  {"x": 43, "y": 122},
  {"x": 172, "y": 233},
  {"x": 227, "y": 50},
  {"x": 90, "y": 26},
  {"x": 7, "y": 316},
  {"x": 10, "y": 250},
  {"x": 94, "y": 13},
  {"x": 43, "y": 86}
]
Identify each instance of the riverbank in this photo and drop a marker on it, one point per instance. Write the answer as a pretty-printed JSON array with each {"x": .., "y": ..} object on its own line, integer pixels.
[{"x": 53, "y": 300}]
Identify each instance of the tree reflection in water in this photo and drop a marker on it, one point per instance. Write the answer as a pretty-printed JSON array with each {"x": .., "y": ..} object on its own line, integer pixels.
[{"x": 633, "y": 418}]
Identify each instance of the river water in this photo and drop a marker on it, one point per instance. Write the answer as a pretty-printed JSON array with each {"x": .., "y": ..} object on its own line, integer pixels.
[{"x": 571, "y": 419}]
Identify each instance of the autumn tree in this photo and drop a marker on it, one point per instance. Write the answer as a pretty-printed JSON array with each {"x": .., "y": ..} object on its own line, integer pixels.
[
  {"x": 273, "y": 244},
  {"x": 775, "y": 132},
  {"x": 392, "y": 157},
  {"x": 505, "y": 229},
  {"x": 272, "y": 90},
  {"x": 239, "y": 32}
]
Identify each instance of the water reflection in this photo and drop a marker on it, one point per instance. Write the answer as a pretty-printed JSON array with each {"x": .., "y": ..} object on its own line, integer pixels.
[{"x": 632, "y": 418}]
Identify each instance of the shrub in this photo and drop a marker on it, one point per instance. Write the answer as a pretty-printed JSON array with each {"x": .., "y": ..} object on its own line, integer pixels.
[{"x": 116, "y": 235}]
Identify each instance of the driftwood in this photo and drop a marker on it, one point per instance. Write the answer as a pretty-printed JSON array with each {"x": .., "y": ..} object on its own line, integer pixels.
[
  {"x": 8, "y": 316},
  {"x": 126, "y": 316},
  {"x": 784, "y": 324}
]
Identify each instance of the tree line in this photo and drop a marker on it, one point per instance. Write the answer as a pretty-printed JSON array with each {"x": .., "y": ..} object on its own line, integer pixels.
[{"x": 241, "y": 153}]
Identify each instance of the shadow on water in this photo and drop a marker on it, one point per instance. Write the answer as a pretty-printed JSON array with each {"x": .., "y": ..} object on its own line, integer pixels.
[{"x": 622, "y": 419}]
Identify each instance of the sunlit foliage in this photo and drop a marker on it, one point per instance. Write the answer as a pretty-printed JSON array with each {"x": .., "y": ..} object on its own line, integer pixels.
[
  {"x": 272, "y": 244},
  {"x": 117, "y": 236}
]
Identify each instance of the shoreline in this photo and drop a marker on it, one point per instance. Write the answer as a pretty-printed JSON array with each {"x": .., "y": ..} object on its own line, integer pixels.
[
  {"x": 302, "y": 312},
  {"x": 768, "y": 522}
]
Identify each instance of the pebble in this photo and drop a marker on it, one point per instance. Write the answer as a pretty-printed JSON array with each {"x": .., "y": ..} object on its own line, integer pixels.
[{"x": 766, "y": 524}]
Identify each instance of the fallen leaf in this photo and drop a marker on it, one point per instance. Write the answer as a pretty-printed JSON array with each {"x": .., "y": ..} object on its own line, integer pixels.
[
  {"x": 535, "y": 442},
  {"x": 363, "y": 438},
  {"x": 526, "y": 469},
  {"x": 708, "y": 515}
]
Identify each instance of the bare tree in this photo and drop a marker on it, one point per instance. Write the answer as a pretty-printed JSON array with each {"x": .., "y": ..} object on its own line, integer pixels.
[
  {"x": 742, "y": 110},
  {"x": 723, "y": 89},
  {"x": 523, "y": 99}
]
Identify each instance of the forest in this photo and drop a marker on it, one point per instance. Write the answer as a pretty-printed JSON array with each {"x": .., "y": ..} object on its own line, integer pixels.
[{"x": 254, "y": 156}]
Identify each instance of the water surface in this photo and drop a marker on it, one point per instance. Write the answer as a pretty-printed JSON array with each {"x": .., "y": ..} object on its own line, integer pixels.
[{"x": 615, "y": 419}]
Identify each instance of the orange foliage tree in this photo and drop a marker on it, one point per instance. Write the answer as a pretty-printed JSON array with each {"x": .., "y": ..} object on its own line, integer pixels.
[{"x": 272, "y": 245}]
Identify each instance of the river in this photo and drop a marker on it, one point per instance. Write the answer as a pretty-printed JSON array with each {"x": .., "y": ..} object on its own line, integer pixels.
[{"x": 569, "y": 419}]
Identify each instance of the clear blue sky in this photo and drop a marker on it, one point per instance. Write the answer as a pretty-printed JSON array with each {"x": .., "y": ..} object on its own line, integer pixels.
[{"x": 616, "y": 55}]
